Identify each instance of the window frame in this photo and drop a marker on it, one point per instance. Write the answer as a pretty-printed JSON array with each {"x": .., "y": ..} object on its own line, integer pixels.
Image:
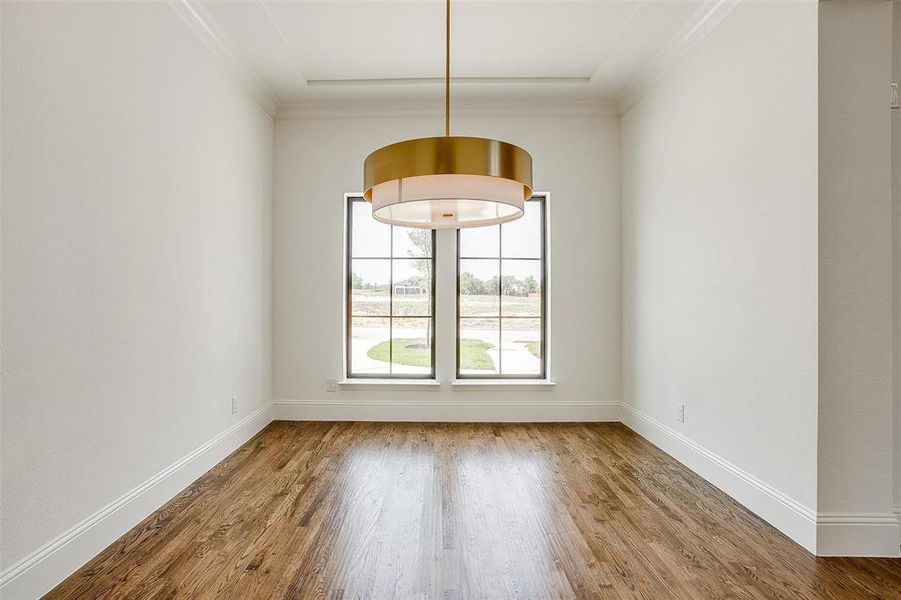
[
  {"x": 349, "y": 374},
  {"x": 543, "y": 371}
]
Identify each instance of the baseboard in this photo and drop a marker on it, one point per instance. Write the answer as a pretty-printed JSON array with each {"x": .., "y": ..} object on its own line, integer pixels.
[
  {"x": 459, "y": 411},
  {"x": 42, "y": 570},
  {"x": 786, "y": 514},
  {"x": 897, "y": 512},
  {"x": 858, "y": 535}
]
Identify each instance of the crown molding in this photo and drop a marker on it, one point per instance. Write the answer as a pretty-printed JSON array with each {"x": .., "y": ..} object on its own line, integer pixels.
[
  {"x": 435, "y": 108},
  {"x": 696, "y": 28},
  {"x": 211, "y": 35}
]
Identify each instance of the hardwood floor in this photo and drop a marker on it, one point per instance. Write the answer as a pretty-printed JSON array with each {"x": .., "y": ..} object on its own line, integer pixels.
[{"x": 402, "y": 510}]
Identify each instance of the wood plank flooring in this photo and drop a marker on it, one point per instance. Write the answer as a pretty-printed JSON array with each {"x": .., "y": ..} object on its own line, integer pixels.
[{"x": 405, "y": 510}]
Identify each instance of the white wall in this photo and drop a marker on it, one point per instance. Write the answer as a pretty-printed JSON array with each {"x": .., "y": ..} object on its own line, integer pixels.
[
  {"x": 896, "y": 254},
  {"x": 136, "y": 241},
  {"x": 720, "y": 261},
  {"x": 854, "y": 465},
  {"x": 576, "y": 159}
]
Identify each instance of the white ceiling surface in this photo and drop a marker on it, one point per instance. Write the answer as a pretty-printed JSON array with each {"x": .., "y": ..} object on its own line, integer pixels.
[{"x": 308, "y": 51}]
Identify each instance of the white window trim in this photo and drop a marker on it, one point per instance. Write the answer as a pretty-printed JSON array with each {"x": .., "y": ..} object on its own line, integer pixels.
[
  {"x": 445, "y": 257},
  {"x": 344, "y": 381},
  {"x": 488, "y": 383}
]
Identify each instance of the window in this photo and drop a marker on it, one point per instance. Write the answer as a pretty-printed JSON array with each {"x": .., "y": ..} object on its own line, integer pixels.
[
  {"x": 390, "y": 329},
  {"x": 501, "y": 304}
]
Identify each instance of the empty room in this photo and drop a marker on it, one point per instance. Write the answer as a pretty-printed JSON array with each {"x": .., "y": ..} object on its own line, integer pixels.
[{"x": 450, "y": 299}]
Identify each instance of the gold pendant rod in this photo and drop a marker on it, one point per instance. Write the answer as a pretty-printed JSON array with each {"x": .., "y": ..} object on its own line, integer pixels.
[{"x": 447, "y": 68}]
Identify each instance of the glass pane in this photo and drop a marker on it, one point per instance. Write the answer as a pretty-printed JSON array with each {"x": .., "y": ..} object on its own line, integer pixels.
[
  {"x": 479, "y": 345},
  {"x": 521, "y": 288},
  {"x": 522, "y": 238},
  {"x": 412, "y": 287},
  {"x": 479, "y": 288},
  {"x": 370, "y": 283},
  {"x": 412, "y": 242},
  {"x": 481, "y": 242},
  {"x": 368, "y": 340},
  {"x": 369, "y": 237},
  {"x": 412, "y": 347},
  {"x": 521, "y": 347}
]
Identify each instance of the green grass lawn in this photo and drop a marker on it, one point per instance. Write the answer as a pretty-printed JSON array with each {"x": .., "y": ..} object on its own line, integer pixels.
[
  {"x": 416, "y": 353},
  {"x": 473, "y": 355}
]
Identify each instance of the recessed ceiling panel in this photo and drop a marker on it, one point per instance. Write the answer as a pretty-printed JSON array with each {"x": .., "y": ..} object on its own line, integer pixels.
[
  {"x": 353, "y": 49},
  {"x": 372, "y": 40}
]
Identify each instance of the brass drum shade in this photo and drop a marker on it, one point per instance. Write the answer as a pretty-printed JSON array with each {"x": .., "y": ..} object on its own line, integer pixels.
[{"x": 448, "y": 182}]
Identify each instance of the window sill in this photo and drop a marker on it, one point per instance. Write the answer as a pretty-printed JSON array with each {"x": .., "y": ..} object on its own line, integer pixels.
[
  {"x": 389, "y": 384},
  {"x": 503, "y": 384}
]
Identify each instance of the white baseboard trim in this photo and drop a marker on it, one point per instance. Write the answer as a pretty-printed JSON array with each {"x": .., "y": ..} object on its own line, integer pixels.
[
  {"x": 897, "y": 512},
  {"x": 786, "y": 514},
  {"x": 459, "y": 411},
  {"x": 42, "y": 570},
  {"x": 858, "y": 535}
]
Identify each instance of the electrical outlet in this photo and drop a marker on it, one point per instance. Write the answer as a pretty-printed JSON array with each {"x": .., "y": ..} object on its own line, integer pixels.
[
  {"x": 331, "y": 385},
  {"x": 234, "y": 405},
  {"x": 680, "y": 413}
]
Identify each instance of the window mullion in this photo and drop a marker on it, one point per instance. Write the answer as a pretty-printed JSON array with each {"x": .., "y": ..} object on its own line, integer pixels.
[
  {"x": 500, "y": 299},
  {"x": 391, "y": 301}
]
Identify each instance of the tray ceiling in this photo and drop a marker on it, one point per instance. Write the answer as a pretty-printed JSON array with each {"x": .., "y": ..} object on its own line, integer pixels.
[{"x": 356, "y": 50}]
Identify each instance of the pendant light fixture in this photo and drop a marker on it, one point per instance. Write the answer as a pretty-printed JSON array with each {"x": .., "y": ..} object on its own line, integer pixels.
[{"x": 447, "y": 182}]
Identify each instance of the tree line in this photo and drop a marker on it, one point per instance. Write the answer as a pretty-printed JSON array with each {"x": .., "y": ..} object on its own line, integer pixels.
[
  {"x": 510, "y": 285},
  {"x": 470, "y": 285}
]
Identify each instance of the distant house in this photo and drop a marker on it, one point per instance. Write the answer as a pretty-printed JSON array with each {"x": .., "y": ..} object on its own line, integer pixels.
[{"x": 410, "y": 287}]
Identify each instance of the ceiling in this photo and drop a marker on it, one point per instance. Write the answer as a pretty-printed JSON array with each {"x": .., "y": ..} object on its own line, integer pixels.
[{"x": 304, "y": 51}]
